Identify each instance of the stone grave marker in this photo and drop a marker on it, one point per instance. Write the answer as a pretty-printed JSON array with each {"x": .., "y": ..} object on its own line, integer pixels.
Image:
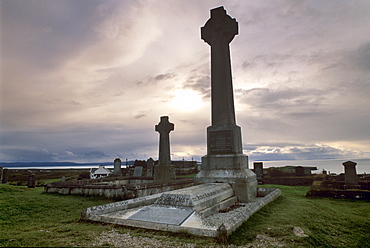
[
  {"x": 350, "y": 175},
  {"x": 31, "y": 180},
  {"x": 258, "y": 169},
  {"x": 138, "y": 171},
  {"x": 149, "y": 167},
  {"x": 225, "y": 161},
  {"x": 164, "y": 171},
  {"x": 5, "y": 176},
  {"x": 117, "y": 167}
]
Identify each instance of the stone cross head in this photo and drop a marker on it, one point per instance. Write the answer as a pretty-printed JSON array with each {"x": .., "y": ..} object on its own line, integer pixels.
[{"x": 219, "y": 28}]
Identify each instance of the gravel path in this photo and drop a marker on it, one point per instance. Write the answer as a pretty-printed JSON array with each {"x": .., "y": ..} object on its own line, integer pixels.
[{"x": 116, "y": 239}]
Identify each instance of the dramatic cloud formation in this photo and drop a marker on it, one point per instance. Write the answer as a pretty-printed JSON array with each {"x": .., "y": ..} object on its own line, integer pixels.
[{"x": 87, "y": 81}]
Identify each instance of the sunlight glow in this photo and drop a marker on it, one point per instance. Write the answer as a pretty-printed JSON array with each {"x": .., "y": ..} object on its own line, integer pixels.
[{"x": 187, "y": 100}]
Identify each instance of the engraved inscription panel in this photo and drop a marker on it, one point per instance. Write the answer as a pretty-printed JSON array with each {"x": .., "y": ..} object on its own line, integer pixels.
[{"x": 221, "y": 142}]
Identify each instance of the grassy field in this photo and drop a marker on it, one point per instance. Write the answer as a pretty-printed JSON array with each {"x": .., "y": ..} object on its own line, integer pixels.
[
  {"x": 20, "y": 177},
  {"x": 29, "y": 217}
]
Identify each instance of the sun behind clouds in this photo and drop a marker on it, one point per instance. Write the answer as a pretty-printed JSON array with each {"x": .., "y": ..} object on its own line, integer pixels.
[{"x": 187, "y": 100}]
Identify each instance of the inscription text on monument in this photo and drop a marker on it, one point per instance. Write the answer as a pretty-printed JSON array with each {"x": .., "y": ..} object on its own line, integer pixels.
[{"x": 221, "y": 142}]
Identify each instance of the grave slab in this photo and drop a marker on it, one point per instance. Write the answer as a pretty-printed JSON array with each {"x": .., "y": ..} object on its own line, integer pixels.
[
  {"x": 149, "y": 213},
  {"x": 165, "y": 215}
]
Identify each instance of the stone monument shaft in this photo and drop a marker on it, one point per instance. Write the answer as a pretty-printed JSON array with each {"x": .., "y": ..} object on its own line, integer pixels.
[
  {"x": 164, "y": 128},
  {"x": 218, "y": 32},
  {"x": 225, "y": 161}
]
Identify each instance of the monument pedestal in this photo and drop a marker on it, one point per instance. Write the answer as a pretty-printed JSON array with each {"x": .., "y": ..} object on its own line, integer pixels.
[
  {"x": 164, "y": 173},
  {"x": 230, "y": 168},
  {"x": 226, "y": 163}
]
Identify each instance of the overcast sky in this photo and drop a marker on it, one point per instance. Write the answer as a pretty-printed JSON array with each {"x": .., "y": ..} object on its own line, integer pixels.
[{"x": 87, "y": 81}]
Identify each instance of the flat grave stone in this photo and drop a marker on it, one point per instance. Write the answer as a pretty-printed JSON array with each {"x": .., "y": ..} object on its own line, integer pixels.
[{"x": 165, "y": 215}]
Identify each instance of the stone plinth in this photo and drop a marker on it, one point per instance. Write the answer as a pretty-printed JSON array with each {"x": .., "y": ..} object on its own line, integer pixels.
[
  {"x": 350, "y": 175},
  {"x": 230, "y": 168}
]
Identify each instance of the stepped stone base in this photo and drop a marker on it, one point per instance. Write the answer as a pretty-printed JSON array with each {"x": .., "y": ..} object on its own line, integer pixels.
[
  {"x": 243, "y": 180},
  {"x": 195, "y": 210}
]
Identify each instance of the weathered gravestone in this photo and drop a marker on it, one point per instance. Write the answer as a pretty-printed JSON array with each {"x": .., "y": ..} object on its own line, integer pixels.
[
  {"x": 138, "y": 171},
  {"x": 258, "y": 169},
  {"x": 164, "y": 171},
  {"x": 350, "y": 175},
  {"x": 149, "y": 167},
  {"x": 1, "y": 174},
  {"x": 5, "y": 176},
  {"x": 117, "y": 167},
  {"x": 225, "y": 161},
  {"x": 31, "y": 180}
]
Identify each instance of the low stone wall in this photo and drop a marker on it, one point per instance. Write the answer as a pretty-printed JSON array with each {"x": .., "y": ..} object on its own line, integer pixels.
[
  {"x": 290, "y": 181},
  {"x": 116, "y": 189},
  {"x": 341, "y": 194}
]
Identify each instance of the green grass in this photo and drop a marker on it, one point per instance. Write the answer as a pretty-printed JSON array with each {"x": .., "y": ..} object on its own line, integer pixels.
[
  {"x": 29, "y": 217},
  {"x": 328, "y": 222}
]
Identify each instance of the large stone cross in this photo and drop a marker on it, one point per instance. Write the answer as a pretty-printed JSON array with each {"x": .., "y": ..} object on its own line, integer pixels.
[
  {"x": 219, "y": 28},
  {"x": 218, "y": 32},
  {"x": 164, "y": 128}
]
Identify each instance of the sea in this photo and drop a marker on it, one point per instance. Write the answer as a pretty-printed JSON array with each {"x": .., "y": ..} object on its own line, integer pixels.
[{"x": 330, "y": 165}]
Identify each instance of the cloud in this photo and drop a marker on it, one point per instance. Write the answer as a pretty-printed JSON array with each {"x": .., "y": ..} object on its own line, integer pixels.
[
  {"x": 163, "y": 76},
  {"x": 92, "y": 78},
  {"x": 299, "y": 152}
]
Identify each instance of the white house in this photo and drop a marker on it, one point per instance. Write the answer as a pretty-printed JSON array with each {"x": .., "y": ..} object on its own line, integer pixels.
[{"x": 99, "y": 172}]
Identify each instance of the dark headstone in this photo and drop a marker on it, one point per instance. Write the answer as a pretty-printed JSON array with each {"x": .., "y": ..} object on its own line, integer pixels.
[
  {"x": 149, "y": 167},
  {"x": 350, "y": 175},
  {"x": 117, "y": 167},
  {"x": 299, "y": 171},
  {"x": 258, "y": 169},
  {"x": 5, "y": 176},
  {"x": 31, "y": 181}
]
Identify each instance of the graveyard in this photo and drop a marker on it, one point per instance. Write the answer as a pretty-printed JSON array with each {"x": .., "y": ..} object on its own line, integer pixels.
[
  {"x": 30, "y": 217},
  {"x": 223, "y": 202},
  {"x": 225, "y": 193}
]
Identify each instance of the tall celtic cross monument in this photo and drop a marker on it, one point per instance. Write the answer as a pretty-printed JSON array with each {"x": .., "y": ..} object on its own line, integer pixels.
[{"x": 225, "y": 161}]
